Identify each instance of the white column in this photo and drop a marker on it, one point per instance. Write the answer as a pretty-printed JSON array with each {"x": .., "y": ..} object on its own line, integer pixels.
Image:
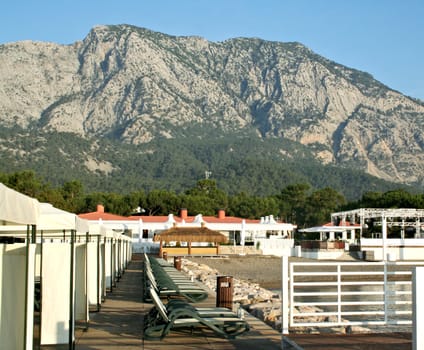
[
  {"x": 417, "y": 308},
  {"x": 402, "y": 230},
  {"x": 384, "y": 233},
  {"x": 352, "y": 236},
  {"x": 140, "y": 230}
]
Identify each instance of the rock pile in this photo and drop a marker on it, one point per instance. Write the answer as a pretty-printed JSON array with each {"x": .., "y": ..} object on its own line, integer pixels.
[{"x": 261, "y": 303}]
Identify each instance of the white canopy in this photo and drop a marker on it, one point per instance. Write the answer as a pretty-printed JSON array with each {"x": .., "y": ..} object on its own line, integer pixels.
[
  {"x": 109, "y": 232},
  {"x": 52, "y": 218},
  {"x": 17, "y": 208},
  {"x": 327, "y": 229}
]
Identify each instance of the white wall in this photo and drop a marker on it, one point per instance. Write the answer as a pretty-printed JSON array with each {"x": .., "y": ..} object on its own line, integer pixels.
[
  {"x": 401, "y": 249},
  {"x": 55, "y": 293},
  {"x": 81, "y": 299},
  {"x": 278, "y": 247},
  {"x": 12, "y": 296},
  {"x": 92, "y": 278}
]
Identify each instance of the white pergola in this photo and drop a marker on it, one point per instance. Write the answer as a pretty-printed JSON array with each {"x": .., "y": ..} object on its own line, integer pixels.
[
  {"x": 402, "y": 217},
  {"x": 332, "y": 230}
]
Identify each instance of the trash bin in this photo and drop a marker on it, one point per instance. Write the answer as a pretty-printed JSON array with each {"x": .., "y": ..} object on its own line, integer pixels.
[
  {"x": 177, "y": 262},
  {"x": 165, "y": 256},
  {"x": 224, "y": 292}
]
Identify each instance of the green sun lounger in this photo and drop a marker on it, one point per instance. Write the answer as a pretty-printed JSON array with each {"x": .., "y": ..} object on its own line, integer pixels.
[
  {"x": 171, "y": 283},
  {"x": 174, "y": 304},
  {"x": 190, "y": 292},
  {"x": 160, "y": 321}
]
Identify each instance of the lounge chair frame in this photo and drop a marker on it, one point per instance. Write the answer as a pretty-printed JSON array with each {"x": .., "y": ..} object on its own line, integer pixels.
[
  {"x": 170, "y": 282},
  {"x": 160, "y": 321}
]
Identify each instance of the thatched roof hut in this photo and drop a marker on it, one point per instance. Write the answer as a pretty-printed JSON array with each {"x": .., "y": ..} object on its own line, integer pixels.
[{"x": 190, "y": 234}]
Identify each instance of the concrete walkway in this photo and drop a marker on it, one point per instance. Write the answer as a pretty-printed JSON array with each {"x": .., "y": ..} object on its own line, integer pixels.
[{"x": 119, "y": 324}]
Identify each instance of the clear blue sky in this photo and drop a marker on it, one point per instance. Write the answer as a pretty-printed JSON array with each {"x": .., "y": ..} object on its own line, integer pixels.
[{"x": 382, "y": 37}]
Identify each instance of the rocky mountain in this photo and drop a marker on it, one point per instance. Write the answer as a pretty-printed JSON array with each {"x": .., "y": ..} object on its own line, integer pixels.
[{"x": 137, "y": 86}]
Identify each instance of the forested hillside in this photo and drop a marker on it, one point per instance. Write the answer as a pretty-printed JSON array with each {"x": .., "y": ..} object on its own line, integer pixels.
[{"x": 238, "y": 164}]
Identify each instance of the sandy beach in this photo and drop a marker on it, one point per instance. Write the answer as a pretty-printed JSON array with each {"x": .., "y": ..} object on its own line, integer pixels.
[{"x": 264, "y": 270}]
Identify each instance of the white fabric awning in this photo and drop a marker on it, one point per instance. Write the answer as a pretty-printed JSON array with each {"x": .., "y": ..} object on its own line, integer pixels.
[
  {"x": 52, "y": 218},
  {"x": 18, "y": 208},
  {"x": 327, "y": 229}
]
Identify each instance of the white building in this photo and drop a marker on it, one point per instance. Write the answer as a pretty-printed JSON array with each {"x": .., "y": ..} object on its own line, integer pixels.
[{"x": 266, "y": 233}]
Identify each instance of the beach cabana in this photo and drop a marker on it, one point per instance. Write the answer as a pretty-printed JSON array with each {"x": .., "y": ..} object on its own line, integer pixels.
[
  {"x": 115, "y": 251},
  {"x": 63, "y": 274},
  {"x": 190, "y": 235},
  {"x": 17, "y": 264},
  {"x": 53, "y": 257}
]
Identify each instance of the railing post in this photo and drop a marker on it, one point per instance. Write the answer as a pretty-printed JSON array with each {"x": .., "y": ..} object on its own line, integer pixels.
[
  {"x": 384, "y": 238},
  {"x": 339, "y": 294},
  {"x": 386, "y": 294},
  {"x": 417, "y": 308},
  {"x": 285, "y": 295}
]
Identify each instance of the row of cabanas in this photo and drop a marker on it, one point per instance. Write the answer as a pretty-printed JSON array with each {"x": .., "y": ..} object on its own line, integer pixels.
[{"x": 54, "y": 273}]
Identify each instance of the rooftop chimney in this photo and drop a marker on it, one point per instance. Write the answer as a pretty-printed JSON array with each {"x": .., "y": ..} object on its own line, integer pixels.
[
  {"x": 183, "y": 213},
  {"x": 221, "y": 214},
  {"x": 100, "y": 208}
]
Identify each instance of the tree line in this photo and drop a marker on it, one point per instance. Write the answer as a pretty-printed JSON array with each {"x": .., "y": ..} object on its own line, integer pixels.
[{"x": 299, "y": 203}]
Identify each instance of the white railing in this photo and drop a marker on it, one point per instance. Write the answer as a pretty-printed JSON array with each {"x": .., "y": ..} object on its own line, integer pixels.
[
  {"x": 275, "y": 246},
  {"x": 393, "y": 242},
  {"x": 330, "y": 294}
]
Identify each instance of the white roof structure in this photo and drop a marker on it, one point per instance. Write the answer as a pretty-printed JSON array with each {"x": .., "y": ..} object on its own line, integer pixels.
[
  {"x": 365, "y": 213},
  {"x": 53, "y": 219},
  {"x": 327, "y": 229},
  {"x": 17, "y": 208}
]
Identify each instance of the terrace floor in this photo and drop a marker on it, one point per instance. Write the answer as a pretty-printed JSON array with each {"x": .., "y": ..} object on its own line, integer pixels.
[{"x": 119, "y": 325}]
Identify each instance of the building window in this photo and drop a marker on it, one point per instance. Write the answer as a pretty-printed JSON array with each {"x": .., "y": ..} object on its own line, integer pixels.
[{"x": 145, "y": 234}]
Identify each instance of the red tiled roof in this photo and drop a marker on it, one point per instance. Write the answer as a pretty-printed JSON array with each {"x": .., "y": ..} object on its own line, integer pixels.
[
  {"x": 228, "y": 220},
  {"x": 190, "y": 219},
  {"x": 342, "y": 223},
  {"x": 148, "y": 218},
  {"x": 96, "y": 215},
  {"x": 221, "y": 218}
]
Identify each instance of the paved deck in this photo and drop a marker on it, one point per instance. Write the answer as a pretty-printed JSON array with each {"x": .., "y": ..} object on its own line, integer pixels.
[
  {"x": 118, "y": 325},
  {"x": 373, "y": 341}
]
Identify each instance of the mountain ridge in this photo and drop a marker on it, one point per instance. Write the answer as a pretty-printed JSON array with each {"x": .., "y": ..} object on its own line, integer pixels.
[{"x": 134, "y": 85}]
